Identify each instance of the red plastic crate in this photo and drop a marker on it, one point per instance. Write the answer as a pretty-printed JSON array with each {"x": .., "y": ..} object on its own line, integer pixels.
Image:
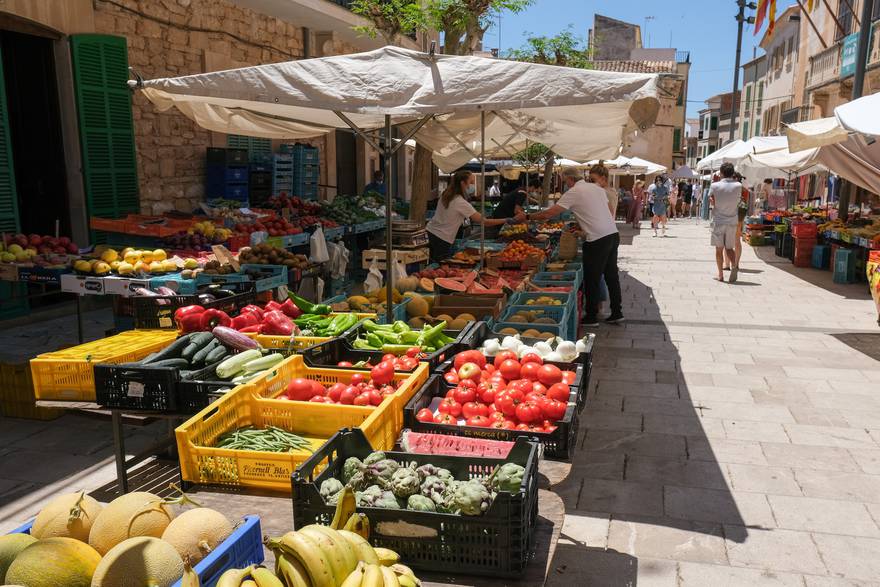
[
  {"x": 804, "y": 246},
  {"x": 808, "y": 230}
]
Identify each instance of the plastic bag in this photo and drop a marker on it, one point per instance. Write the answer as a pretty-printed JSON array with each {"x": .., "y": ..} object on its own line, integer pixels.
[
  {"x": 339, "y": 256},
  {"x": 374, "y": 278},
  {"x": 318, "y": 247},
  {"x": 399, "y": 270},
  {"x": 311, "y": 288}
]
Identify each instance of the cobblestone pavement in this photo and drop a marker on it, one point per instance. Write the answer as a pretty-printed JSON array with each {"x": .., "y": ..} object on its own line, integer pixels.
[{"x": 732, "y": 435}]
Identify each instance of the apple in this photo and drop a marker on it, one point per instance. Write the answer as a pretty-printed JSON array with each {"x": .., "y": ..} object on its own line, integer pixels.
[{"x": 470, "y": 371}]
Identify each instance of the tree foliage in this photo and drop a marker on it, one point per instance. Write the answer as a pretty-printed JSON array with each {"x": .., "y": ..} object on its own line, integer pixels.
[
  {"x": 562, "y": 49},
  {"x": 535, "y": 155},
  {"x": 390, "y": 18}
]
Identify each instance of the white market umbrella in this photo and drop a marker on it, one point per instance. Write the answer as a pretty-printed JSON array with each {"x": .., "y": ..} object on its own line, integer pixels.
[
  {"x": 736, "y": 151},
  {"x": 859, "y": 116},
  {"x": 684, "y": 172}
]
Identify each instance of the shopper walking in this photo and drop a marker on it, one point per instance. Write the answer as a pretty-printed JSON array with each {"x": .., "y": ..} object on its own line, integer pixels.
[
  {"x": 725, "y": 196},
  {"x": 673, "y": 200},
  {"x": 599, "y": 176},
  {"x": 589, "y": 204},
  {"x": 635, "y": 213},
  {"x": 661, "y": 204}
]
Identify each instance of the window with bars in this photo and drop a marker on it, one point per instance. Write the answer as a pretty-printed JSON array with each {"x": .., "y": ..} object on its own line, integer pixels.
[
  {"x": 676, "y": 140},
  {"x": 748, "y": 100},
  {"x": 760, "y": 102},
  {"x": 845, "y": 16}
]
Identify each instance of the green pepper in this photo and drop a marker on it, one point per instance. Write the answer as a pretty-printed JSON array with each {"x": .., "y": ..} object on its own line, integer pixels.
[
  {"x": 341, "y": 323},
  {"x": 409, "y": 337},
  {"x": 363, "y": 345},
  {"x": 429, "y": 334},
  {"x": 308, "y": 307},
  {"x": 396, "y": 349},
  {"x": 400, "y": 326},
  {"x": 374, "y": 340}
]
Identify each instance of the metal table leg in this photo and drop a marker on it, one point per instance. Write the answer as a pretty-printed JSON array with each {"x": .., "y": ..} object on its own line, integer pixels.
[
  {"x": 79, "y": 318},
  {"x": 119, "y": 450}
]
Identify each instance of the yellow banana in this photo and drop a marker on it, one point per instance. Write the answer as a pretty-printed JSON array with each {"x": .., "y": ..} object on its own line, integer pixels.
[
  {"x": 306, "y": 551},
  {"x": 402, "y": 571},
  {"x": 345, "y": 507},
  {"x": 234, "y": 577},
  {"x": 263, "y": 577},
  {"x": 373, "y": 576},
  {"x": 362, "y": 549},
  {"x": 190, "y": 578},
  {"x": 389, "y": 578},
  {"x": 341, "y": 545},
  {"x": 387, "y": 557},
  {"x": 249, "y": 583},
  {"x": 359, "y": 524},
  {"x": 355, "y": 578},
  {"x": 338, "y": 563},
  {"x": 407, "y": 581},
  {"x": 291, "y": 570}
]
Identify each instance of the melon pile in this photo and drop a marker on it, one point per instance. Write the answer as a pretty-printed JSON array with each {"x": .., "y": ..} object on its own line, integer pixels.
[
  {"x": 419, "y": 309},
  {"x": 134, "y": 540}
]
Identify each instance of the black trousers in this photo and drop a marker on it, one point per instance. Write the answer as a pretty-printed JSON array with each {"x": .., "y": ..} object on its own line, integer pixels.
[
  {"x": 439, "y": 249},
  {"x": 600, "y": 259}
]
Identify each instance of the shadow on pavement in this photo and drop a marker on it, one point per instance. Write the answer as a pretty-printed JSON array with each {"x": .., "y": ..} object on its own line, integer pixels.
[{"x": 818, "y": 277}]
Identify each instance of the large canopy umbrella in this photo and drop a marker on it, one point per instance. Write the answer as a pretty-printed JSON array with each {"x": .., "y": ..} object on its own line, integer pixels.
[
  {"x": 622, "y": 165},
  {"x": 459, "y": 107},
  {"x": 736, "y": 151},
  {"x": 859, "y": 116},
  {"x": 684, "y": 172}
]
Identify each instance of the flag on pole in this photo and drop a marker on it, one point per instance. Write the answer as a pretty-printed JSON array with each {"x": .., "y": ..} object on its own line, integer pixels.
[
  {"x": 772, "y": 24},
  {"x": 761, "y": 14},
  {"x": 810, "y": 5}
]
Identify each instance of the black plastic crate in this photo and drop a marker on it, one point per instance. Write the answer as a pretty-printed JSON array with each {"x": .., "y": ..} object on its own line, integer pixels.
[
  {"x": 499, "y": 543},
  {"x": 200, "y": 389},
  {"x": 137, "y": 388},
  {"x": 558, "y": 445},
  {"x": 327, "y": 354},
  {"x": 222, "y": 156},
  {"x": 157, "y": 312}
]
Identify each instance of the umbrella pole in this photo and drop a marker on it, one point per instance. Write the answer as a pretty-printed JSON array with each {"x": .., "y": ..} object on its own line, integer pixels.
[
  {"x": 389, "y": 183},
  {"x": 482, "y": 182}
]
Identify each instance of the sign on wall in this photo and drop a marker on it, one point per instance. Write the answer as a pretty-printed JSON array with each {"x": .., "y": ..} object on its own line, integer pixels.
[{"x": 848, "y": 55}]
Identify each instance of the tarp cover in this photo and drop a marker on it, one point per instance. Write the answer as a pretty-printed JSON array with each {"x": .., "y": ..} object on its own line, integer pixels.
[
  {"x": 623, "y": 165},
  {"x": 859, "y": 116},
  {"x": 736, "y": 151},
  {"x": 580, "y": 114}
]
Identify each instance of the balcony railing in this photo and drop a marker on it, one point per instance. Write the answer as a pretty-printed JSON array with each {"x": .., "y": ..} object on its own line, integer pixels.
[
  {"x": 682, "y": 56},
  {"x": 824, "y": 66},
  {"x": 874, "y": 56}
]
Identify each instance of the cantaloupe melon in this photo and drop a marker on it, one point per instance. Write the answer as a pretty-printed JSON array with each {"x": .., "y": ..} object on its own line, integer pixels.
[
  {"x": 139, "y": 561},
  {"x": 133, "y": 514},
  {"x": 416, "y": 322},
  {"x": 407, "y": 284},
  {"x": 53, "y": 562},
  {"x": 445, "y": 317},
  {"x": 71, "y": 515},
  {"x": 531, "y": 333},
  {"x": 457, "y": 324},
  {"x": 466, "y": 317},
  {"x": 417, "y": 306},
  {"x": 426, "y": 284},
  {"x": 10, "y": 546},
  {"x": 196, "y": 532},
  {"x": 358, "y": 302}
]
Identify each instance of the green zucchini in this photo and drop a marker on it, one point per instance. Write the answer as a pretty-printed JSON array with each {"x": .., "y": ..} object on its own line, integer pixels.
[
  {"x": 197, "y": 342},
  {"x": 199, "y": 357},
  {"x": 217, "y": 354},
  {"x": 171, "y": 351},
  {"x": 263, "y": 363},
  {"x": 179, "y": 363},
  {"x": 235, "y": 363}
]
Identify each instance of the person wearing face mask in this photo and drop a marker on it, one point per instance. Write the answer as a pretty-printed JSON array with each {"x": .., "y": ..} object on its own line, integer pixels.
[
  {"x": 511, "y": 205},
  {"x": 599, "y": 176},
  {"x": 378, "y": 183},
  {"x": 589, "y": 204},
  {"x": 452, "y": 210}
]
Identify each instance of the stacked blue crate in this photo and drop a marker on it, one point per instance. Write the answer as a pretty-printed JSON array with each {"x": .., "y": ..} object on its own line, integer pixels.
[
  {"x": 306, "y": 171},
  {"x": 282, "y": 174},
  {"x": 226, "y": 174}
]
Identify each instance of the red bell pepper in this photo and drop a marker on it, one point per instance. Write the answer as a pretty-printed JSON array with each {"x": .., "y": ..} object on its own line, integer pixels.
[
  {"x": 271, "y": 306},
  {"x": 290, "y": 309},
  {"x": 189, "y": 318},
  {"x": 244, "y": 320},
  {"x": 277, "y": 323},
  {"x": 252, "y": 309},
  {"x": 212, "y": 317},
  {"x": 257, "y": 328}
]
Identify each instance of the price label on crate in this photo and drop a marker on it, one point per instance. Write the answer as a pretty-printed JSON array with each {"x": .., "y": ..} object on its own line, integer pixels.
[{"x": 135, "y": 389}]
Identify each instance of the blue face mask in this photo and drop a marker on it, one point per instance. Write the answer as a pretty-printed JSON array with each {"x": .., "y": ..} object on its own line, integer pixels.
[{"x": 471, "y": 189}]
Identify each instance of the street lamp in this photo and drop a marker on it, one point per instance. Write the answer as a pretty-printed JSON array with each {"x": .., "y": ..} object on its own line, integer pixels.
[{"x": 741, "y": 19}]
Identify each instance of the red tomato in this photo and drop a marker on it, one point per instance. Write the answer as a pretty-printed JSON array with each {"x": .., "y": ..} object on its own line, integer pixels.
[
  {"x": 382, "y": 373},
  {"x": 495, "y": 415},
  {"x": 348, "y": 395},
  {"x": 529, "y": 370},
  {"x": 409, "y": 363},
  {"x": 362, "y": 400},
  {"x": 335, "y": 391},
  {"x": 413, "y": 352},
  {"x": 522, "y": 385},
  {"x": 479, "y": 421},
  {"x": 559, "y": 391},
  {"x": 469, "y": 357},
  {"x": 554, "y": 410},
  {"x": 318, "y": 389},
  {"x": 387, "y": 390},
  {"x": 508, "y": 400},
  {"x": 538, "y": 387},
  {"x": 344, "y": 364},
  {"x": 489, "y": 368},
  {"x": 375, "y": 397},
  {"x": 523, "y": 427},
  {"x": 470, "y": 371},
  {"x": 569, "y": 377},
  {"x": 549, "y": 374},
  {"x": 532, "y": 358},
  {"x": 320, "y": 399},
  {"x": 471, "y": 409},
  {"x": 425, "y": 415},
  {"x": 548, "y": 428},
  {"x": 468, "y": 383},
  {"x": 529, "y": 412},
  {"x": 450, "y": 406},
  {"x": 536, "y": 398},
  {"x": 451, "y": 377},
  {"x": 487, "y": 396},
  {"x": 464, "y": 395},
  {"x": 446, "y": 419},
  {"x": 503, "y": 356},
  {"x": 510, "y": 369},
  {"x": 451, "y": 392},
  {"x": 388, "y": 357},
  {"x": 358, "y": 378},
  {"x": 300, "y": 389},
  {"x": 503, "y": 425}
]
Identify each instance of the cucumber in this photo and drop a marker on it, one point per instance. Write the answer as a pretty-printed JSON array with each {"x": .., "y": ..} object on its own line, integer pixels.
[
  {"x": 199, "y": 358},
  {"x": 179, "y": 363},
  {"x": 171, "y": 351},
  {"x": 217, "y": 354},
  {"x": 235, "y": 363},
  {"x": 197, "y": 343}
]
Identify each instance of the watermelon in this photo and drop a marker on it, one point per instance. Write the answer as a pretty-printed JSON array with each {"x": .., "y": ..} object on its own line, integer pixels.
[
  {"x": 444, "y": 444},
  {"x": 451, "y": 284}
]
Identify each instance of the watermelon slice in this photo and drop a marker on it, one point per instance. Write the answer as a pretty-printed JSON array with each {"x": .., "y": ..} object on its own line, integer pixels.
[
  {"x": 451, "y": 284},
  {"x": 444, "y": 444}
]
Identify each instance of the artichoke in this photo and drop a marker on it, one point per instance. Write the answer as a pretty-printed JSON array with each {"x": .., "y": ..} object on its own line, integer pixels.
[
  {"x": 434, "y": 488},
  {"x": 405, "y": 482},
  {"x": 330, "y": 490},
  {"x": 469, "y": 498},
  {"x": 426, "y": 471},
  {"x": 368, "y": 496},
  {"x": 381, "y": 470},
  {"x": 445, "y": 475},
  {"x": 507, "y": 477},
  {"x": 374, "y": 457},
  {"x": 352, "y": 465},
  {"x": 358, "y": 481},
  {"x": 420, "y": 503}
]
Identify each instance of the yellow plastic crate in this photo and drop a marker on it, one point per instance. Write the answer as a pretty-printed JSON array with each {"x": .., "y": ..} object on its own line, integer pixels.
[
  {"x": 289, "y": 344},
  {"x": 68, "y": 374},
  {"x": 200, "y": 463}
]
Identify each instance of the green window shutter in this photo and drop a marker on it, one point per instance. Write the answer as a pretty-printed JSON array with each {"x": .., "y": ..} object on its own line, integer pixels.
[
  {"x": 9, "y": 221},
  {"x": 103, "y": 101},
  {"x": 676, "y": 140}
]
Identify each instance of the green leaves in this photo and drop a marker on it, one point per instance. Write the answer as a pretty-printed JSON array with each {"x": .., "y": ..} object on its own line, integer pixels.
[{"x": 562, "y": 49}]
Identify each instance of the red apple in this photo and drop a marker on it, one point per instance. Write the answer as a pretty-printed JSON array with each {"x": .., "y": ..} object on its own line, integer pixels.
[{"x": 470, "y": 371}]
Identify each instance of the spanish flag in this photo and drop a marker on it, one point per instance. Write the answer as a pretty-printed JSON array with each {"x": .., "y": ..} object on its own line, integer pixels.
[
  {"x": 772, "y": 24},
  {"x": 761, "y": 14}
]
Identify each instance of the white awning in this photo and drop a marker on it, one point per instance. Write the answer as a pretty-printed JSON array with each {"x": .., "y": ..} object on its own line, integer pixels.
[
  {"x": 684, "y": 172},
  {"x": 859, "y": 116},
  {"x": 623, "y": 165},
  {"x": 736, "y": 151},
  {"x": 580, "y": 114}
]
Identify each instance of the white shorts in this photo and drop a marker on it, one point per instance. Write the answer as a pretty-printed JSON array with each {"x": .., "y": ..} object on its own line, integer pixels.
[{"x": 724, "y": 235}]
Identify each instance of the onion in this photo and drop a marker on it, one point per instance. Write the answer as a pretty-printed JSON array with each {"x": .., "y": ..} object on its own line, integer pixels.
[
  {"x": 491, "y": 347},
  {"x": 526, "y": 349},
  {"x": 555, "y": 357},
  {"x": 581, "y": 346},
  {"x": 543, "y": 348},
  {"x": 567, "y": 350},
  {"x": 511, "y": 343}
]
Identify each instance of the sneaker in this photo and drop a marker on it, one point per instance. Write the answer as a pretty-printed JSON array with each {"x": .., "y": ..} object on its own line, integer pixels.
[
  {"x": 589, "y": 322},
  {"x": 614, "y": 319}
]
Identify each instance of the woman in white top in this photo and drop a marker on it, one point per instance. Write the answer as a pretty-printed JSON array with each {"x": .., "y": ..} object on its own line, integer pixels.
[{"x": 453, "y": 209}]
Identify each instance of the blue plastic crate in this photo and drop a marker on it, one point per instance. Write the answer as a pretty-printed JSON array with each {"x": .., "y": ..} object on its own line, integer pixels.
[
  {"x": 555, "y": 330},
  {"x": 554, "y": 278},
  {"x": 176, "y": 282},
  {"x": 242, "y": 548},
  {"x": 821, "y": 256},
  {"x": 334, "y": 232},
  {"x": 227, "y": 174},
  {"x": 229, "y": 191},
  {"x": 559, "y": 314},
  {"x": 274, "y": 276},
  {"x": 844, "y": 266}
]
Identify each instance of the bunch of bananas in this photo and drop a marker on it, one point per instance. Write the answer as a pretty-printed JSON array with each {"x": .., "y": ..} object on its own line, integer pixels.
[
  {"x": 210, "y": 230},
  {"x": 252, "y": 576}
]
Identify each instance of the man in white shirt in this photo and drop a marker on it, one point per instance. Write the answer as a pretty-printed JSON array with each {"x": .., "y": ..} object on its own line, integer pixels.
[
  {"x": 725, "y": 196},
  {"x": 589, "y": 204},
  {"x": 495, "y": 190}
]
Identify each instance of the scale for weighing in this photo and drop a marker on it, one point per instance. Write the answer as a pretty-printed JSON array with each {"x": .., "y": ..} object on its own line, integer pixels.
[{"x": 408, "y": 234}]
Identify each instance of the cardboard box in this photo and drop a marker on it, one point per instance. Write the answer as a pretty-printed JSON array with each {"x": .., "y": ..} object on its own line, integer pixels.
[
  {"x": 8, "y": 272},
  {"x": 406, "y": 257},
  {"x": 82, "y": 284},
  {"x": 124, "y": 286}
]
